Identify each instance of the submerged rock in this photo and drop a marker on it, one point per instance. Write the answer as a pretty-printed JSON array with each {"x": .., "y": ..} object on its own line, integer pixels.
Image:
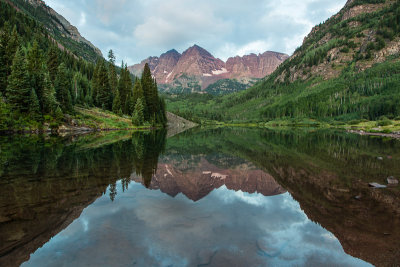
[{"x": 376, "y": 185}]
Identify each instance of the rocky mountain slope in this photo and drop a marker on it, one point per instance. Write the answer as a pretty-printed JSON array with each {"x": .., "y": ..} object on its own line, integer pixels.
[
  {"x": 66, "y": 35},
  {"x": 346, "y": 69},
  {"x": 359, "y": 33},
  {"x": 195, "y": 69}
]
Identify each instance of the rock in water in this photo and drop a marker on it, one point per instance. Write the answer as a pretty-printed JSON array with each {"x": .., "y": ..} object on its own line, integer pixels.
[
  {"x": 392, "y": 181},
  {"x": 376, "y": 185}
]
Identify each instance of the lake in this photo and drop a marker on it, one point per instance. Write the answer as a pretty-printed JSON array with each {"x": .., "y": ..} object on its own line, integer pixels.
[{"x": 204, "y": 197}]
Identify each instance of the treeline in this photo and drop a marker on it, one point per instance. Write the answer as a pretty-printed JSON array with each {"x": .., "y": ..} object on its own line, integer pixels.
[
  {"x": 40, "y": 80},
  {"x": 139, "y": 99}
]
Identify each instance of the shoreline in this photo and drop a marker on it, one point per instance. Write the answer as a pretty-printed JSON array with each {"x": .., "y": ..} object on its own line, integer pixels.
[
  {"x": 361, "y": 132},
  {"x": 72, "y": 130}
]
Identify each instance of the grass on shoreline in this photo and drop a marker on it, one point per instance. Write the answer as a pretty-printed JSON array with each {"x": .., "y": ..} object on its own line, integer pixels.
[{"x": 382, "y": 126}]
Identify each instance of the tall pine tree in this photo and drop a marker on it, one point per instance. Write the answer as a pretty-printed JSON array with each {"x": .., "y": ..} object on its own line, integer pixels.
[
  {"x": 104, "y": 96},
  {"x": 112, "y": 73},
  {"x": 36, "y": 71},
  {"x": 137, "y": 90},
  {"x": 138, "y": 114},
  {"x": 116, "y": 107},
  {"x": 12, "y": 47},
  {"x": 33, "y": 104},
  {"x": 125, "y": 88},
  {"x": 18, "y": 91},
  {"x": 147, "y": 86},
  {"x": 95, "y": 83},
  {"x": 52, "y": 62},
  {"x": 62, "y": 86},
  {"x": 49, "y": 95},
  {"x": 4, "y": 39}
]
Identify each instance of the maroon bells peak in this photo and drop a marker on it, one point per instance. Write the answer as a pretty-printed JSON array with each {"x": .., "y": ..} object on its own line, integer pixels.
[{"x": 197, "y": 64}]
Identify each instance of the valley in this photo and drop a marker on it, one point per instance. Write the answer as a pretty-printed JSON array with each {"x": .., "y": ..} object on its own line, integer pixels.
[{"x": 225, "y": 153}]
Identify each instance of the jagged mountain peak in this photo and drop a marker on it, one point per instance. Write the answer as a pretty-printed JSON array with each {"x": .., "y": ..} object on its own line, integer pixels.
[
  {"x": 171, "y": 52},
  {"x": 197, "y": 50},
  {"x": 196, "y": 66}
]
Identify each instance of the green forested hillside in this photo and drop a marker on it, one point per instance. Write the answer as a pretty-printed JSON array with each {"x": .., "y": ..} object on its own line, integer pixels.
[
  {"x": 40, "y": 81},
  {"x": 58, "y": 29},
  {"x": 228, "y": 86},
  {"x": 347, "y": 68}
]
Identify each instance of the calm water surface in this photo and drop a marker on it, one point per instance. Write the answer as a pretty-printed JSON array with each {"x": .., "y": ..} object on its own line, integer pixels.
[{"x": 206, "y": 197}]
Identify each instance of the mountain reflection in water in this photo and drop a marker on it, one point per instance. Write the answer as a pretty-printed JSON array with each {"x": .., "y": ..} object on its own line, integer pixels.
[{"x": 80, "y": 200}]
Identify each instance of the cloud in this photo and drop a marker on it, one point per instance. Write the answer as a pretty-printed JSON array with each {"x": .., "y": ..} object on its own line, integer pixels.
[
  {"x": 138, "y": 29},
  {"x": 82, "y": 20},
  {"x": 177, "y": 20},
  {"x": 149, "y": 228}
]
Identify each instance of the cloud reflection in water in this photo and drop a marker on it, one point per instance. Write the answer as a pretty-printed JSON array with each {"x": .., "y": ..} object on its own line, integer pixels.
[{"x": 227, "y": 228}]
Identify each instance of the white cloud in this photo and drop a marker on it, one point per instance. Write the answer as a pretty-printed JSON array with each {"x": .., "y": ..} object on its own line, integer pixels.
[
  {"x": 179, "y": 20},
  {"x": 82, "y": 20},
  {"x": 138, "y": 29},
  {"x": 230, "y": 49}
]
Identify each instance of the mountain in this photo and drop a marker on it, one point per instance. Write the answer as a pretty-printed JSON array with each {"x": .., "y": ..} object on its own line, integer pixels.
[
  {"x": 254, "y": 66},
  {"x": 347, "y": 68},
  {"x": 196, "y": 69},
  {"x": 66, "y": 35},
  {"x": 202, "y": 178}
]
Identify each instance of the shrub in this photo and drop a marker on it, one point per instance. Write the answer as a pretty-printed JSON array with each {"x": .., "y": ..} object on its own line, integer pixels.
[
  {"x": 354, "y": 122},
  {"x": 380, "y": 43},
  {"x": 345, "y": 50},
  {"x": 384, "y": 123}
]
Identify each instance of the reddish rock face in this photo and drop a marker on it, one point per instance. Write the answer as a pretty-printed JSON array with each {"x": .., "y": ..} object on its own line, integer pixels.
[
  {"x": 254, "y": 66},
  {"x": 198, "y": 62},
  {"x": 202, "y": 179},
  {"x": 160, "y": 67}
]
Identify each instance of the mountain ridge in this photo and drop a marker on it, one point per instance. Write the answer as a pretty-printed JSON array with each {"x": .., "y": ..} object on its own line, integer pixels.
[
  {"x": 64, "y": 33},
  {"x": 196, "y": 68}
]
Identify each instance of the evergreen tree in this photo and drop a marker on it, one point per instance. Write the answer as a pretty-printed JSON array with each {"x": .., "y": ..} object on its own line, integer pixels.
[
  {"x": 147, "y": 86},
  {"x": 104, "y": 97},
  {"x": 52, "y": 62},
  {"x": 62, "y": 86},
  {"x": 5, "y": 112},
  {"x": 58, "y": 114},
  {"x": 76, "y": 89},
  {"x": 130, "y": 104},
  {"x": 162, "y": 111},
  {"x": 112, "y": 73},
  {"x": 137, "y": 91},
  {"x": 124, "y": 88},
  {"x": 19, "y": 88},
  {"x": 111, "y": 57},
  {"x": 95, "y": 83},
  {"x": 49, "y": 95},
  {"x": 154, "y": 99},
  {"x": 138, "y": 116},
  {"x": 33, "y": 104},
  {"x": 4, "y": 39},
  {"x": 12, "y": 47},
  {"x": 36, "y": 72},
  {"x": 116, "y": 107}
]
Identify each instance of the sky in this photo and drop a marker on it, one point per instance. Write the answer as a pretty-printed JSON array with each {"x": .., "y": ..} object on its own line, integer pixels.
[
  {"x": 137, "y": 29},
  {"x": 145, "y": 227}
]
